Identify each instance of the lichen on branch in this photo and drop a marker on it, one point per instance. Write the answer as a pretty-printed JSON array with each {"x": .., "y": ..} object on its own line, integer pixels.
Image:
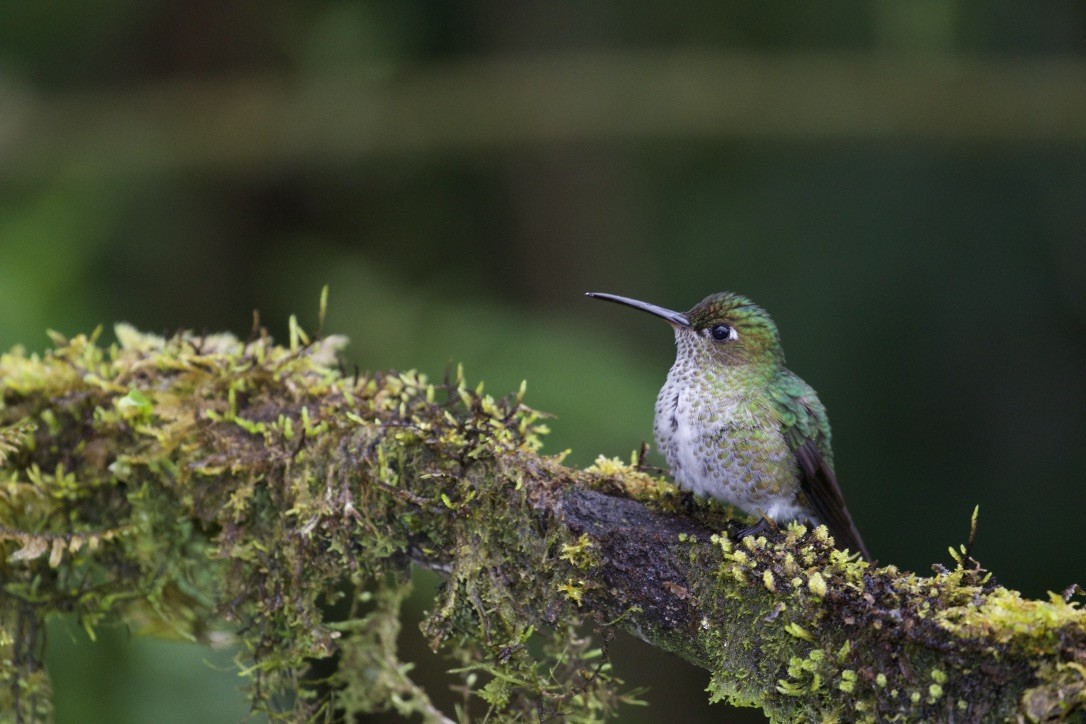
[{"x": 214, "y": 489}]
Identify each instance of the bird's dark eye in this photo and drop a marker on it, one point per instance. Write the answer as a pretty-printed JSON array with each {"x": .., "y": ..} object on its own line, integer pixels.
[{"x": 720, "y": 332}]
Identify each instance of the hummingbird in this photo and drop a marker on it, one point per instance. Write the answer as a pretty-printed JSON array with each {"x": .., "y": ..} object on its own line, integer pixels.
[{"x": 736, "y": 425}]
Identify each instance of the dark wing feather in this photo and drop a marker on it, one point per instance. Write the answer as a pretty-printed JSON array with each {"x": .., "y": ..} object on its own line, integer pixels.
[
  {"x": 819, "y": 484},
  {"x": 807, "y": 431}
]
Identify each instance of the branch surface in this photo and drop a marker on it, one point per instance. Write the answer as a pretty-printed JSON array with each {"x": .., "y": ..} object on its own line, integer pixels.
[{"x": 213, "y": 489}]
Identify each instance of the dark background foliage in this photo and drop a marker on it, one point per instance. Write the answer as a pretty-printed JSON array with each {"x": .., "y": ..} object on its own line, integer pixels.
[{"x": 903, "y": 185}]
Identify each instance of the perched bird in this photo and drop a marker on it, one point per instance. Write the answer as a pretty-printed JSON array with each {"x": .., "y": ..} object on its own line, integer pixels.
[{"x": 736, "y": 425}]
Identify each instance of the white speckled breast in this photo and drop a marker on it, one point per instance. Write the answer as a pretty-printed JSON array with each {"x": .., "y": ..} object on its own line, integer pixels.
[{"x": 722, "y": 439}]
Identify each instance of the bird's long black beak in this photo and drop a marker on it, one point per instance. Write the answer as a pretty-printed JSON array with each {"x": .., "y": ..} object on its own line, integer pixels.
[{"x": 673, "y": 318}]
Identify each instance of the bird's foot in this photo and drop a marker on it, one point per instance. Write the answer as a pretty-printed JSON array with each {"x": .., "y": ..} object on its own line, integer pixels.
[{"x": 764, "y": 525}]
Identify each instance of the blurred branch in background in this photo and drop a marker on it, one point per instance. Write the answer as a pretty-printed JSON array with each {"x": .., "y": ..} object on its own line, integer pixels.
[{"x": 515, "y": 101}]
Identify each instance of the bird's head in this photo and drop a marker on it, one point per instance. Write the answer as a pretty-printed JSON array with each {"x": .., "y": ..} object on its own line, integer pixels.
[{"x": 722, "y": 329}]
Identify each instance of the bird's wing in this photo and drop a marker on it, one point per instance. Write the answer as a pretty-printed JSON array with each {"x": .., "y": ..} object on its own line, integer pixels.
[{"x": 807, "y": 431}]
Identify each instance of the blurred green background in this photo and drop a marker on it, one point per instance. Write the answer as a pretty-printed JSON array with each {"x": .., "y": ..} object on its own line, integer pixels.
[{"x": 903, "y": 185}]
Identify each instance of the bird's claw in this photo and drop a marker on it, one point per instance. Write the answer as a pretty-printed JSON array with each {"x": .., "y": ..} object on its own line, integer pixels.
[{"x": 764, "y": 525}]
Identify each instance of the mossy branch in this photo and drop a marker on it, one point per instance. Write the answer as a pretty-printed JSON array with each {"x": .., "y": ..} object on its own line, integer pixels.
[{"x": 210, "y": 488}]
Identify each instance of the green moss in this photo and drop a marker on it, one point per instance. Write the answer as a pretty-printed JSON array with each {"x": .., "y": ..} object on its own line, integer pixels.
[
  {"x": 580, "y": 554},
  {"x": 821, "y": 598},
  {"x": 229, "y": 488}
]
